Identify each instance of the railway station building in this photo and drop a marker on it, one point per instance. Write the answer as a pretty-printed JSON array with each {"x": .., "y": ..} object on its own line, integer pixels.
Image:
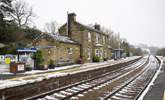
[
  {"x": 93, "y": 42},
  {"x": 75, "y": 41}
]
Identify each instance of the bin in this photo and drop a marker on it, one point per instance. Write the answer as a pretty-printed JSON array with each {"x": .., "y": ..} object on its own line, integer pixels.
[{"x": 17, "y": 67}]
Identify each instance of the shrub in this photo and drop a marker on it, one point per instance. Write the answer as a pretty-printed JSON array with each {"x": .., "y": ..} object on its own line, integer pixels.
[
  {"x": 38, "y": 59},
  {"x": 51, "y": 64},
  {"x": 105, "y": 59},
  {"x": 96, "y": 59},
  {"x": 28, "y": 68}
]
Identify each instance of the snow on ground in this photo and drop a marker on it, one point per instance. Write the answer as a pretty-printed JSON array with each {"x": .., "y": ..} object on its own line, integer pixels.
[
  {"x": 21, "y": 81},
  {"x": 42, "y": 71},
  {"x": 4, "y": 68},
  {"x": 53, "y": 73},
  {"x": 90, "y": 66},
  {"x": 55, "y": 69}
]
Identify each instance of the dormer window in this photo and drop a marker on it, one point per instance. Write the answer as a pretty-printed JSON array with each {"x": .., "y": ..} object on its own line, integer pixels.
[{"x": 89, "y": 37}]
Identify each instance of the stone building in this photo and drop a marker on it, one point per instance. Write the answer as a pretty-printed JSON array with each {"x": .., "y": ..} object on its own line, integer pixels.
[
  {"x": 93, "y": 42},
  {"x": 62, "y": 50}
]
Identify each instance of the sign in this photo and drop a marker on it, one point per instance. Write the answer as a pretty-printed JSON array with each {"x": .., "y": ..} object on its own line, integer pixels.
[
  {"x": 27, "y": 50},
  {"x": 20, "y": 67},
  {"x": 7, "y": 60}
]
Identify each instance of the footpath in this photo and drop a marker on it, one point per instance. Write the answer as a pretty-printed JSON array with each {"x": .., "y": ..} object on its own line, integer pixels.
[{"x": 157, "y": 89}]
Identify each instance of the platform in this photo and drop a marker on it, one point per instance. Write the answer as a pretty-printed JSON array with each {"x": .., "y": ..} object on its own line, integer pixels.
[
  {"x": 10, "y": 80},
  {"x": 157, "y": 90}
]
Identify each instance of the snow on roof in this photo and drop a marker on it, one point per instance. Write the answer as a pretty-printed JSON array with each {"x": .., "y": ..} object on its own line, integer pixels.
[
  {"x": 99, "y": 45},
  {"x": 60, "y": 38},
  {"x": 63, "y": 38}
]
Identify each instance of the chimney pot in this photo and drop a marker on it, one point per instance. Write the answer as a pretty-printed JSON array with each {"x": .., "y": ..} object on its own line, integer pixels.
[
  {"x": 72, "y": 16},
  {"x": 97, "y": 27}
]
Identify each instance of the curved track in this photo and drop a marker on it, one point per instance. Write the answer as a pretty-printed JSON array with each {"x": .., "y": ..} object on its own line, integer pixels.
[
  {"x": 70, "y": 92},
  {"x": 132, "y": 88}
]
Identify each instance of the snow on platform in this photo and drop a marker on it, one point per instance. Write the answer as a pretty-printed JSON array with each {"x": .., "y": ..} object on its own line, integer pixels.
[
  {"x": 39, "y": 75},
  {"x": 4, "y": 68}
]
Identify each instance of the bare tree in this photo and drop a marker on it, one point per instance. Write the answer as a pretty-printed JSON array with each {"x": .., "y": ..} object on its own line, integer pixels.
[
  {"x": 51, "y": 27},
  {"x": 22, "y": 14}
]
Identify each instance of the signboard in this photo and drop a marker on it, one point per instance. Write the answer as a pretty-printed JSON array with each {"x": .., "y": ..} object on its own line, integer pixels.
[
  {"x": 27, "y": 50},
  {"x": 20, "y": 67},
  {"x": 8, "y": 60}
]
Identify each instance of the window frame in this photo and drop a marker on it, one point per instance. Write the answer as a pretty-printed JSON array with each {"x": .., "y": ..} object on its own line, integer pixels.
[
  {"x": 70, "y": 51},
  {"x": 97, "y": 38},
  {"x": 89, "y": 37},
  {"x": 89, "y": 53},
  {"x": 97, "y": 52},
  {"x": 103, "y": 39}
]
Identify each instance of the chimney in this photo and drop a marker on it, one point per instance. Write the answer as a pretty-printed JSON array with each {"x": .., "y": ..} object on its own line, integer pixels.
[
  {"x": 70, "y": 20},
  {"x": 72, "y": 16},
  {"x": 97, "y": 27}
]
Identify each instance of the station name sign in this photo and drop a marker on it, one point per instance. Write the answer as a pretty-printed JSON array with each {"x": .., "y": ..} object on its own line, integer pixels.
[{"x": 27, "y": 50}]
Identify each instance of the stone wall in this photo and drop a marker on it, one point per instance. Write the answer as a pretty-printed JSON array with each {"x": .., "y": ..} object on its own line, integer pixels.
[
  {"x": 58, "y": 51},
  {"x": 79, "y": 33}
]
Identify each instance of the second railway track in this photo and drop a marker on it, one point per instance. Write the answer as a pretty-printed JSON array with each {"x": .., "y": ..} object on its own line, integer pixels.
[
  {"x": 131, "y": 89},
  {"x": 76, "y": 91}
]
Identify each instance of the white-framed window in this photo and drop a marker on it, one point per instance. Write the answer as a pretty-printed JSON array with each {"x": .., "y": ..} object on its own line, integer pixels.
[
  {"x": 97, "y": 52},
  {"x": 89, "y": 37},
  {"x": 103, "y": 39},
  {"x": 89, "y": 53},
  {"x": 70, "y": 51},
  {"x": 97, "y": 38},
  {"x": 101, "y": 53}
]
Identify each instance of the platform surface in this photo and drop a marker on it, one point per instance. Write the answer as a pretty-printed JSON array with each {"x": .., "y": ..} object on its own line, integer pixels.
[{"x": 157, "y": 90}]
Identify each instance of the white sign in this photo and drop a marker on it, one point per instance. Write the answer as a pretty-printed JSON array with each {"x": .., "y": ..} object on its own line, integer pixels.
[{"x": 20, "y": 67}]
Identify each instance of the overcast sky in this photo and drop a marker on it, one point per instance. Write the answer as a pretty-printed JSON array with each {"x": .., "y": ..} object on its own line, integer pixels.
[{"x": 139, "y": 21}]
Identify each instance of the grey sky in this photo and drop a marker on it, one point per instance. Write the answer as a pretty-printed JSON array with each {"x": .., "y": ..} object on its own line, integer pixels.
[{"x": 139, "y": 21}]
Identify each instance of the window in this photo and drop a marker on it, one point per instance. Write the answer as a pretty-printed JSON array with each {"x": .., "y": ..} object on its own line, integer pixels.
[
  {"x": 89, "y": 53},
  {"x": 89, "y": 37},
  {"x": 101, "y": 53},
  {"x": 103, "y": 39},
  {"x": 97, "y": 38},
  {"x": 97, "y": 53},
  {"x": 70, "y": 51}
]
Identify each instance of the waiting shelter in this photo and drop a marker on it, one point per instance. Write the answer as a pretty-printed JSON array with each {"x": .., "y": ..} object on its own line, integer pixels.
[
  {"x": 118, "y": 53},
  {"x": 25, "y": 56}
]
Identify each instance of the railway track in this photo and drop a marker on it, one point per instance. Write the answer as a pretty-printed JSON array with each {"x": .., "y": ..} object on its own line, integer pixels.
[
  {"x": 134, "y": 87},
  {"x": 72, "y": 91}
]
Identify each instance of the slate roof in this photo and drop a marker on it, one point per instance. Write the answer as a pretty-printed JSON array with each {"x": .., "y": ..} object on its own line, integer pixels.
[
  {"x": 91, "y": 29},
  {"x": 63, "y": 39},
  {"x": 59, "y": 38}
]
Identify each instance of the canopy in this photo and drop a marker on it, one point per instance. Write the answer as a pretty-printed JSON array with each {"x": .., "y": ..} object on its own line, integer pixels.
[{"x": 27, "y": 50}]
